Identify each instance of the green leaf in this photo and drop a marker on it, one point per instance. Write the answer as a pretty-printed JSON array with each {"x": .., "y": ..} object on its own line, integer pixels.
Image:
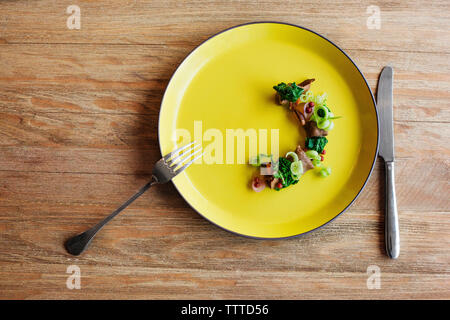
[
  {"x": 290, "y": 92},
  {"x": 284, "y": 172},
  {"x": 316, "y": 143}
]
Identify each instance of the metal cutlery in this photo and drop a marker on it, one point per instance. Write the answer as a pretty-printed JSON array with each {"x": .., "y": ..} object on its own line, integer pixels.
[
  {"x": 386, "y": 151},
  {"x": 164, "y": 170}
]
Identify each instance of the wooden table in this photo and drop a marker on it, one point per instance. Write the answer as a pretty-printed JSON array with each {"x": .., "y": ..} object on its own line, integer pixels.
[{"x": 78, "y": 135}]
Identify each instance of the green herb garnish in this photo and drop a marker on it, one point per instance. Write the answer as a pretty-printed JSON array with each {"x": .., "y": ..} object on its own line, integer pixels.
[
  {"x": 284, "y": 173},
  {"x": 290, "y": 92},
  {"x": 316, "y": 143}
]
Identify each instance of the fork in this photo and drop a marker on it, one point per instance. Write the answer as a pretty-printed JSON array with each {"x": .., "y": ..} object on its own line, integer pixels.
[{"x": 164, "y": 170}]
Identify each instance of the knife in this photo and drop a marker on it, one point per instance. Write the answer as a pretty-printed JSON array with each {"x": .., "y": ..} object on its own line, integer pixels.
[{"x": 386, "y": 151}]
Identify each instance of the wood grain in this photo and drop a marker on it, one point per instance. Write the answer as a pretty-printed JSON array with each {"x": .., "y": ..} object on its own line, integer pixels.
[
  {"x": 78, "y": 135},
  {"x": 136, "y": 76},
  {"x": 407, "y": 26}
]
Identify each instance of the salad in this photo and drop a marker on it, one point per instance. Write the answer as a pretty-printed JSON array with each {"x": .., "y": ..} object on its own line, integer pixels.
[{"x": 317, "y": 119}]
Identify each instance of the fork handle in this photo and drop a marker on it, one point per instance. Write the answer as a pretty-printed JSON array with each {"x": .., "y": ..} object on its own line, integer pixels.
[
  {"x": 392, "y": 233},
  {"x": 77, "y": 244}
]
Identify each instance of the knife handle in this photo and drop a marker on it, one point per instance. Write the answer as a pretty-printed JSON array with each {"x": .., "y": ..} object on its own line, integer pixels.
[{"x": 392, "y": 233}]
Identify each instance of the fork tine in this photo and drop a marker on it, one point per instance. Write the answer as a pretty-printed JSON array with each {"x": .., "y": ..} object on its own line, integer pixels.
[
  {"x": 170, "y": 154},
  {"x": 184, "y": 156},
  {"x": 187, "y": 164}
]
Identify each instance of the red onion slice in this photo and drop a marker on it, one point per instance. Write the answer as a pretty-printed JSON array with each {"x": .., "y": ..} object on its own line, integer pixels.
[
  {"x": 307, "y": 115},
  {"x": 258, "y": 184}
]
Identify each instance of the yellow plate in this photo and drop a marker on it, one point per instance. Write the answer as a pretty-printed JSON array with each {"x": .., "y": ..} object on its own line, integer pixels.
[{"x": 226, "y": 83}]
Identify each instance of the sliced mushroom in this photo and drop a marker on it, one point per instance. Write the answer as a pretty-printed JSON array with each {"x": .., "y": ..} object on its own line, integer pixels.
[
  {"x": 313, "y": 131},
  {"x": 307, "y": 164},
  {"x": 274, "y": 182},
  {"x": 300, "y": 117},
  {"x": 306, "y": 85}
]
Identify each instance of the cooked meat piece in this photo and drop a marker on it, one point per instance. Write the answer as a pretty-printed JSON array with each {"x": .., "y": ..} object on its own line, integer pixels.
[
  {"x": 313, "y": 131},
  {"x": 307, "y": 164},
  {"x": 306, "y": 85},
  {"x": 300, "y": 117},
  {"x": 273, "y": 182}
]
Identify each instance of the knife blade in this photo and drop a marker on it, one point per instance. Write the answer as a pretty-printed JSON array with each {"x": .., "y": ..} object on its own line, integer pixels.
[
  {"x": 386, "y": 151},
  {"x": 386, "y": 112}
]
